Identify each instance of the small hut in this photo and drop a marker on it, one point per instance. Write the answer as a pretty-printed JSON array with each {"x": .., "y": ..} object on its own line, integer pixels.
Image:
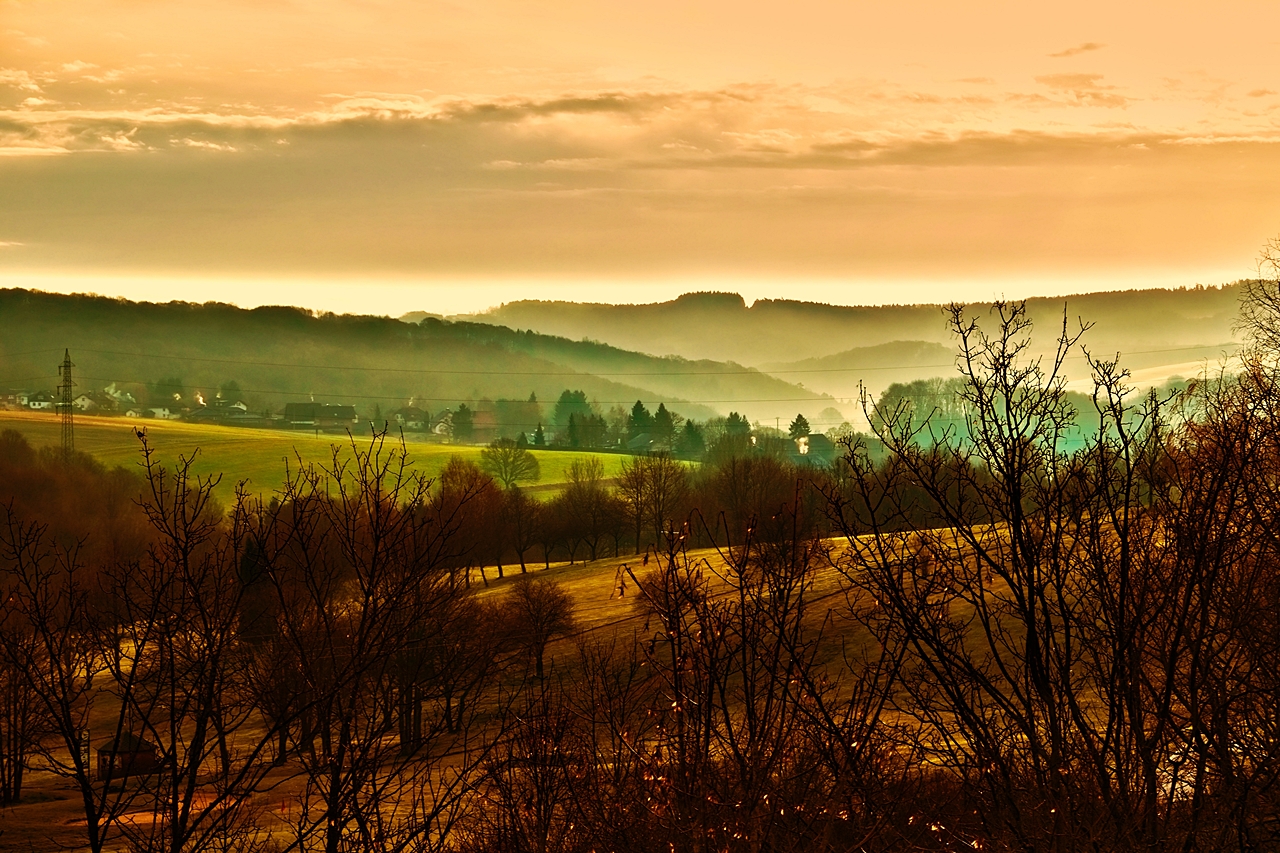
[{"x": 128, "y": 755}]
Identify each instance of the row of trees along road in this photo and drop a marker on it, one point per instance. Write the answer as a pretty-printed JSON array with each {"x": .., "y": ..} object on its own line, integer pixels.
[{"x": 1015, "y": 642}]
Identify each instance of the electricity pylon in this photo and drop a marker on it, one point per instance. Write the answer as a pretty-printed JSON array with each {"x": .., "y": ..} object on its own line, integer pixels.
[{"x": 66, "y": 406}]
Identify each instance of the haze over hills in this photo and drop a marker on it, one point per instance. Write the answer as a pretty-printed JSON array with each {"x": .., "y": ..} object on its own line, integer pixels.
[
  {"x": 279, "y": 355},
  {"x": 833, "y": 348},
  {"x": 775, "y": 331},
  {"x": 844, "y": 374}
]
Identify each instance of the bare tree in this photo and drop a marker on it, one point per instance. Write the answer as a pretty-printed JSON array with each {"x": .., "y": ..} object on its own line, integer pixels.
[
  {"x": 508, "y": 463},
  {"x": 537, "y": 610},
  {"x": 524, "y": 518},
  {"x": 743, "y": 701},
  {"x": 21, "y": 722},
  {"x": 55, "y": 630},
  {"x": 1060, "y": 608},
  {"x": 360, "y": 556},
  {"x": 654, "y": 491},
  {"x": 614, "y": 699},
  {"x": 469, "y": 506},
  {"x": 633, "y": 485},
  {"x": 528, "y": 785},
  {"x": 177, "y": 632},
  {"x": 588, "y": 511}
]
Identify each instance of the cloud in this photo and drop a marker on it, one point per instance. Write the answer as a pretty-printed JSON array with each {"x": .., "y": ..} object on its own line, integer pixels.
[
  {"x": 400, "y": 107},
  {"x": 122, "y": 141},
  {"x": 131, "y": 129},
  {"x": 21, "y": 80},
  {"x": 1261, "y": 93},
  {"x": 15, "y": 148},
  {"x": 1086, "y": 47},
  {"x": 617, "y": 132},
  {"x": 203, "y": 144},
  {"x": 110, "y": 76},
  {"x": 1086, "y": 89}
]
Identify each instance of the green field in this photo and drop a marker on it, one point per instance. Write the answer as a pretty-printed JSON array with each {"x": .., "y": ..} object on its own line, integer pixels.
[{"x": 256, "y": 455}]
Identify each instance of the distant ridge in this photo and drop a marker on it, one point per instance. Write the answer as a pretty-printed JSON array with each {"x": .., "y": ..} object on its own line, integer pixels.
[{"x": 773, "y": 331}]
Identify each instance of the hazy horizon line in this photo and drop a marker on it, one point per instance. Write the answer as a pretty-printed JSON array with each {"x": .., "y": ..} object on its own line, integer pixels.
[{"x": 464, "y": 296}]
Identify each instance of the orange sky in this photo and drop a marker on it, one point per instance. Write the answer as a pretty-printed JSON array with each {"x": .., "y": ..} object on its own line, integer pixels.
[{"x": 382, "y": 156}]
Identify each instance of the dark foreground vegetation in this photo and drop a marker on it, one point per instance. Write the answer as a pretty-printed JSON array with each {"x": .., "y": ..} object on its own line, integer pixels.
[{"x": 1029, "y": 647}]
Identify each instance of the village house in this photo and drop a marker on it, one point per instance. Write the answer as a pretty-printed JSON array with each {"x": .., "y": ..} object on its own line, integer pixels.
[
  {"x": 41, "y": 401},
  {"x": 411, "y": 418},
  {"x": 13, "y": 399},
  {"x": 222, "y": 411},
  {"x": 319, "y": 416},
  {"x": 95, "y": 401}
]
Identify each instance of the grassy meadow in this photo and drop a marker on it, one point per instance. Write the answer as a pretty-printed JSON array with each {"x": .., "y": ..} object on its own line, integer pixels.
[{"x": 258, "y": 456}]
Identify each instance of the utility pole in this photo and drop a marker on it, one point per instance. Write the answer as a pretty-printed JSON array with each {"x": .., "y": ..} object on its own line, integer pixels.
[{"x": 65, "y": 406}]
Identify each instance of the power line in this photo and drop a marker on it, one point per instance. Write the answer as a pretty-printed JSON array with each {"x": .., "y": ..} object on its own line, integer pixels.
[
  {"x": 817, "y": 397},
  {"x": 823, "y": 397},
  {"x": 750, "y": 371}
]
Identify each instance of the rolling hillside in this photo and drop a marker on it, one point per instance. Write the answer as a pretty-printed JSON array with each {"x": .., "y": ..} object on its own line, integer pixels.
[
  {"x": 1169, "y": 328},
  {"x": 279, "y": 355}
]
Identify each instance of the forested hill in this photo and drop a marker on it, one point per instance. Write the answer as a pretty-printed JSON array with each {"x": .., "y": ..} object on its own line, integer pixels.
[
  {"x": 277, "y": 355},
  {"x": 722, "y": 326}
]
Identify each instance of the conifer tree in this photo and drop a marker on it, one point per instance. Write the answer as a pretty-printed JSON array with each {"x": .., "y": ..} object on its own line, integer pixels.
[{"x": 799, "y": 427}]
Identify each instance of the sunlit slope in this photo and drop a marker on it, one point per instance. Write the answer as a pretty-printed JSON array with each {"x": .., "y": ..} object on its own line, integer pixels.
[
  {"x": 605, "y": 596},
  {"x": 608, "y": 606},
  {"x": 256, "y": 455}
]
